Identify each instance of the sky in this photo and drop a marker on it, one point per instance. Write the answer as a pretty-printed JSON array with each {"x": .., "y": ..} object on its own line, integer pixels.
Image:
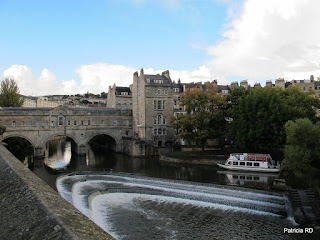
[{"x": 79, "y": 46}]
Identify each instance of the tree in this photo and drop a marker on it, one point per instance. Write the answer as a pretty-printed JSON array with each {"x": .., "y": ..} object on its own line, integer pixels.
[
  {"x": 259, "y": 117},
  {"x": 301, "y": 104},
  {"x": 258, "y": 120},
  {"x": 9, "y": 94},
  {"x": 204, "y": 118},
  {"x": 104, "y": 95},
  {"x": 302, "y": 151}
]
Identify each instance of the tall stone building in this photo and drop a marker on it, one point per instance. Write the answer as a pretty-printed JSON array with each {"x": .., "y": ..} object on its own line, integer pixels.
[{"x": 152, "y": 108}]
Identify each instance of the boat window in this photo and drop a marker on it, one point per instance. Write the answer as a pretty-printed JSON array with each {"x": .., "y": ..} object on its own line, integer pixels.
[
  {"x": 235, "y": 176},
  {"x": 249, "y": 163},
  {"x": 242, "y": 163},
  {"x": 234, "y": 163},
  {"x": 256, "y": 164},
  {"x": 249, "y": 178},
  {"x": 242, "y": 177},
  {"x": 256, "y": 178}
]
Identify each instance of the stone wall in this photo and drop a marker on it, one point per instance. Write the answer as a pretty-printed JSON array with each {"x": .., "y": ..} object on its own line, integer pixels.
[{"x": 30, "y": 209}]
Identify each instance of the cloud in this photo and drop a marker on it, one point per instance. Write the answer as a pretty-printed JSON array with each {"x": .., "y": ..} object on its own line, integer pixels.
[
  {"x": 45, "y": 84},
  {"x": 95, "y": 78},
  {"x": 270, "y": 39}
]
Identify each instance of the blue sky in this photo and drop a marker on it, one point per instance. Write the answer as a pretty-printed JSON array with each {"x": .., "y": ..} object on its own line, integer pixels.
[
  {"x": 61, "y": 35},
  {"x": 87, "y": 45}
]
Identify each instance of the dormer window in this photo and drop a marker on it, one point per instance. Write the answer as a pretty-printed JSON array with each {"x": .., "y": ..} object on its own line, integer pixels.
[
  {"x": 124, "y": 93},
  {"x": 158, "y": 81}
]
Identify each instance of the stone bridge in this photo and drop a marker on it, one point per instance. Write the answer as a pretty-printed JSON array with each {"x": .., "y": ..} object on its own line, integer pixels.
[{"x": 38, "y": 125}]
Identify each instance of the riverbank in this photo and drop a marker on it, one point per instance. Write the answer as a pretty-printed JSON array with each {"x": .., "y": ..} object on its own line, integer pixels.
[{"x": 209, "y": 158}]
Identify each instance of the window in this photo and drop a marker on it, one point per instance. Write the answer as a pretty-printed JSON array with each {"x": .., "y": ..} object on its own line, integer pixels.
[
  {"x": 89, "y": 122},
  {"x": 249, "y": 164},
  {"x": 155, "y": 121},
  {"x": 13, "y": 123},
  {"x": 164, "y": 131},
  {"x": 159, "y": 131},
  {"x": 234, "y": 163},
  {"x": 46, "y": 123},
  {"x": 115, "y": 122},
  {"x": 256, "y": 164},
  {"x": 127, "y": 122},
  {"x": 165, "y": 92},
  {"x": 225, "y": 91},
  {"x": 179, "y": 98},
  {"x": 60, "y": 120},
  {"x": 242, "y": 177},
  {"x": 130, "y": 102},
  {"x": 242, "y": 163},
  {"x": 160, "y": 119},
  {"x": 75, "y": 122},
  {"x": 101, "y": 122},
  {"x": 68, "y": 122},
  {"x": 175, "y": 102},
  {"x": 38, "y": 123},
  {"x": 30, "y": 123},
  {"x": 159, "y": 91},
  {"x": 119, "y": 102},
  {"x": 124, "y": 93},
  {"x": 81, "y": 122},
  {"x": 159, "y": 104},
  {"x": 155, "y": 131},
  {"x": 52, "y": 123},
  {"x": 125, "y": 102},
  {"x": 176, "y": 90}
]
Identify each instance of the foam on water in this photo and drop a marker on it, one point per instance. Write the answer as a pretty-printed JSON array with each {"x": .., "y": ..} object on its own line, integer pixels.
[
  {"x": 102, "y": 206},
  {"x": 112, "y": 191}
]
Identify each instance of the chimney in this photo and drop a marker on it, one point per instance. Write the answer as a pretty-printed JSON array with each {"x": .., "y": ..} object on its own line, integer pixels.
[{"x": 166, "y": 74}]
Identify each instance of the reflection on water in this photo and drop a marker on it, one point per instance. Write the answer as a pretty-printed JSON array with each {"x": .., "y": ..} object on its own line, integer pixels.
[
  {"x": 57, "y": 154},
  {"x": 59, "y": 159}
]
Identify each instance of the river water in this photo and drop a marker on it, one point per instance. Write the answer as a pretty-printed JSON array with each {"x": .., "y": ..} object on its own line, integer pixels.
[{"x": 138, "y": 198}]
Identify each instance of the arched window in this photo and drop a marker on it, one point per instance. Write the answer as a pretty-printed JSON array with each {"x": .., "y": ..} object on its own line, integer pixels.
[
  {"x": 160, "y": 119},
  {"x": 60, "y": 120}
]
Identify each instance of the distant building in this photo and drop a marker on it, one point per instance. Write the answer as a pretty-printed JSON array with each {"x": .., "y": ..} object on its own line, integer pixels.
[
  {"x": 119, "y": 97},
  {"x": 40, "y": 102}
]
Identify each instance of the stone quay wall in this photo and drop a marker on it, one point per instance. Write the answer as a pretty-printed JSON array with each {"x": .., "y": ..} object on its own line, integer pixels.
[{"x": 30, "y": 209}]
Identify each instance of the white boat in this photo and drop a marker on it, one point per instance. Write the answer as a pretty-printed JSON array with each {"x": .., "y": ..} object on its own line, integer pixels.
[{"x": 250, "y": 162}]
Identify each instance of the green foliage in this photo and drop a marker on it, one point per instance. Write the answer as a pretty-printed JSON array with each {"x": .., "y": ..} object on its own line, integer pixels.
[
  {"x": 258, "y": 120},
  {"x": 302, "y": 152},
  {"x": 301, "y": 104},
  {"x": 104, "y": 95},
  {"x": 204, "y": 118},
  {"x": 9, "y": 94},
  {"x": 259, "y": 116}
]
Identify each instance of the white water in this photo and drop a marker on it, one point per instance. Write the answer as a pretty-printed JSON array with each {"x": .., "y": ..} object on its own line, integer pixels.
[{"x": 148, "y": 199}]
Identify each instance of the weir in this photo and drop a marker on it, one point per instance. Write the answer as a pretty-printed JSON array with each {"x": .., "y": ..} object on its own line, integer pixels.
[{"x": 99, "y": 196}]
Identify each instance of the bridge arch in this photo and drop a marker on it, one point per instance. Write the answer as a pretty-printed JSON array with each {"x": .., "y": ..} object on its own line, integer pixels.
[
  {"x": 56, "y": 135},
  {"x": 20, "y": 136},
  {"x": 110, "y": 141}
]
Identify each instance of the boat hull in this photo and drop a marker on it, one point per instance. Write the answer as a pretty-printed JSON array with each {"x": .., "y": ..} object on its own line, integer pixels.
[{"x": 251, "y": 169}]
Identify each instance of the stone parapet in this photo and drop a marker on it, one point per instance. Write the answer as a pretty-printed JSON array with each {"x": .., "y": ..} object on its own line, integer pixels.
[{"x": 30, "y": 209}]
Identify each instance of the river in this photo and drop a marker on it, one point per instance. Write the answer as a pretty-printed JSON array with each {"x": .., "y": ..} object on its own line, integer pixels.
[{"x": 143, "y": 198}]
